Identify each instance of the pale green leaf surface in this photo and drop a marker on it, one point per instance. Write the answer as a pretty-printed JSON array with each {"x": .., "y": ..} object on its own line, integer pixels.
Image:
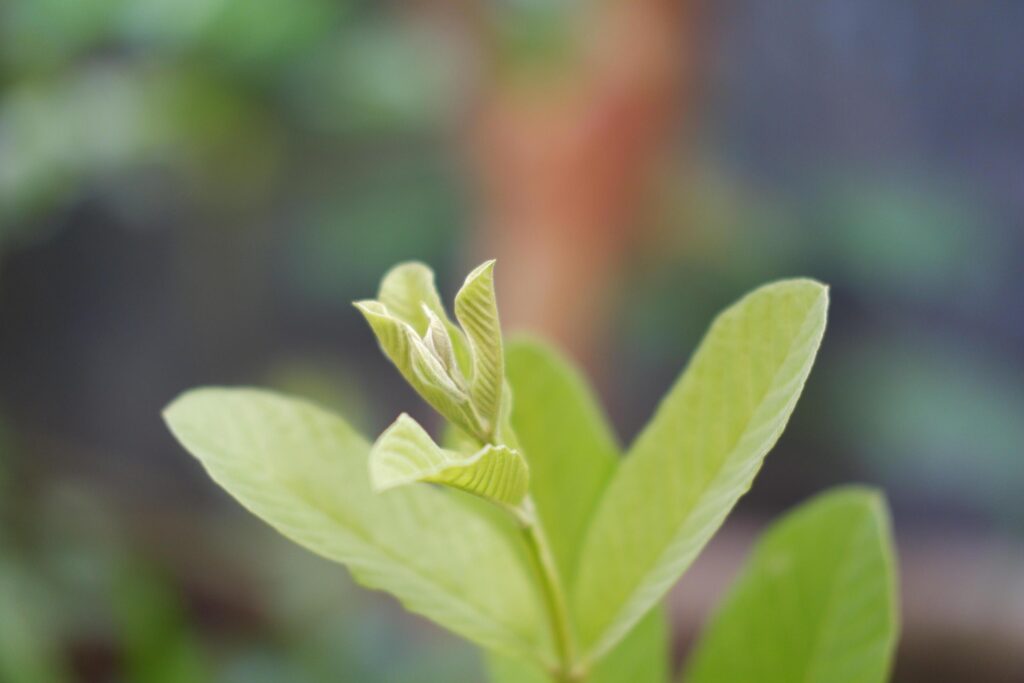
[
  {"x": 405, "y": 454},
  {"x": 439, "y": 342},
  {"x": 304, "y": 471},
  {"x": 408, "y": 290},
  {"x": 566, "y": 440},
  {"x": 697, "y": 456},
  {"x": 421, "y": 367},
  {"x": 642, "y": 657},
  {"x": 477, "y": 311},
  {"x": 816, "y": 602}
]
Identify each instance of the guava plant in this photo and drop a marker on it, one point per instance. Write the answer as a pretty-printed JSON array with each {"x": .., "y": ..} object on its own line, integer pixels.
[{"x": 526, "y": 530}]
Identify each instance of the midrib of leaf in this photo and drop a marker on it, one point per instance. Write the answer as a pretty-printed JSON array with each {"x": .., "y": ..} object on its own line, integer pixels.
[{"x": 650, "y": 578}]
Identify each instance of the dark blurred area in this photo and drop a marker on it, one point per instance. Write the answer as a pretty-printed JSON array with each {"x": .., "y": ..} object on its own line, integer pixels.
[{"x": 192, "y": 192}]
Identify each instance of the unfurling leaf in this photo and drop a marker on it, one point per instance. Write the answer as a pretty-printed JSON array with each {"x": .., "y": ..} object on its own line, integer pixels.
[
  {"x": 815, "y": 603},
  {"x": 439, "y": 342},
  {"x": 433, "y": 354},
  {"x": 477, "y": 311},
  {"x": 420, "y": 365},
  {"x": 697, "y": 456},
  {"x": 406, "y": 454},
  {"x": 409, "y": 292},
  {"x": 304, "y": 471}
]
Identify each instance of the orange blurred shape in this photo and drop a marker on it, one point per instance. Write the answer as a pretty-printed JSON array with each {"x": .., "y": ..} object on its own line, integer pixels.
[{"x": 563, "y": 160}]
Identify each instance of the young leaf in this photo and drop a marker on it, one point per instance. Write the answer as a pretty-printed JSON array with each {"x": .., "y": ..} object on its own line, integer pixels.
[
  {"x": 405, "y": 454},
  {"x": 477, "y": 312},
  {"x": 698, "y": 455},
  {"x": 642, "y": 657},
  {"x": 409, "y": 292},
  {"x": 420, "y": 365},
  {"x": 815, "y": 603},
  {"x": 304, "y": 471},
  {"x": 566, "y": 440}
]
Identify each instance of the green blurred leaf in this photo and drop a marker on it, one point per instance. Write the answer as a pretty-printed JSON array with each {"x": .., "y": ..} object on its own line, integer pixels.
[
  {"x": 642, "y": 657},
  {"x": 304, "y": 471},
  {"x": 697, "y": 456},
  {"x": 159, "y": 646},
  {"x": 566, "y": 440},
  {"x": 815, "y": 603},
  {"x": 405, "y": 454},
  {"x": 29, "y": 644}
]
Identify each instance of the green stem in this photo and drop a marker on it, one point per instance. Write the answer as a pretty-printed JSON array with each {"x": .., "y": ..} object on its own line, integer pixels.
[{"x": 554, "y": 595}]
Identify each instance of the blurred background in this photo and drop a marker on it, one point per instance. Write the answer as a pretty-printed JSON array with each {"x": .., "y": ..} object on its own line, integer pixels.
[{"x": 192, "y": 192}]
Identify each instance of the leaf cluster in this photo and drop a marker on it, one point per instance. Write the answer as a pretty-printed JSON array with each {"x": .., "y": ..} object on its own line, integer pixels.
[{"x": 532, "y": 533}]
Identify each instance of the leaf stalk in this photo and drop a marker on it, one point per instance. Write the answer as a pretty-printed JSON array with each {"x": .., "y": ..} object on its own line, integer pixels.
[{"x": 554, "y": 594}]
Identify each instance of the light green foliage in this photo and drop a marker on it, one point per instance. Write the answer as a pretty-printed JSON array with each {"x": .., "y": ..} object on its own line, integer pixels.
[
  {"x": 431, "y": 352},
  {"x": 558, "y": 559},
  {"x": 572, "y": 455},
  {"x": 642, "y": 657},
  {"x": 419, "y": 362},
  {"x": 304, "y": 471},
  {"x": 697, "y": 456},
  {"x": 816, "y": 602},
  {"x": 477, "y": 311},
  {"x": 571, "y": 451},
  {"x": 408, "y": 290},
  {"x": 405, "y": 454}
]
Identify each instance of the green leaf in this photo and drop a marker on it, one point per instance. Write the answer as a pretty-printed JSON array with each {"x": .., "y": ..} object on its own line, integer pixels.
[
  {"x": 420, "y": 364},
  {"x": 431, "y": 352},
  {"x": 408, "y": 290},
  {"x": 566, "y": 440},
  {"x": 304, "y": 471},
  {"x": 509, "y": 670},
  {"x": 643, "y": 657},
  {"x": 816, "y": 602},
  {"x": 572, "y": 454},
  {"x": 406, "y": 454},
  {"x": 697, "y": 456},
  {"x": 477, "y": 311}
]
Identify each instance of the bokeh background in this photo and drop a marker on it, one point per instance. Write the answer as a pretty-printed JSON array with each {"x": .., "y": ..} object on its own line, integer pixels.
[{"x": 192, "y": 192}]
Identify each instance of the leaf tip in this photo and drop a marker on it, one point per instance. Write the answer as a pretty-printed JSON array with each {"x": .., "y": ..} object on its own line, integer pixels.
[
  {"x": 485, "y": 269},
  {"x": 382, "y": 474},
  {"x": 370, "y": 307},
  {"x": 175, "y": 412},
  {"x": 407, "y": 270}
]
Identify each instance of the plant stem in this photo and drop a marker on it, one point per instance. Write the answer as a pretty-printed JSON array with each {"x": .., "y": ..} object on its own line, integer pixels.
[{"x": 554, "y": 595}]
